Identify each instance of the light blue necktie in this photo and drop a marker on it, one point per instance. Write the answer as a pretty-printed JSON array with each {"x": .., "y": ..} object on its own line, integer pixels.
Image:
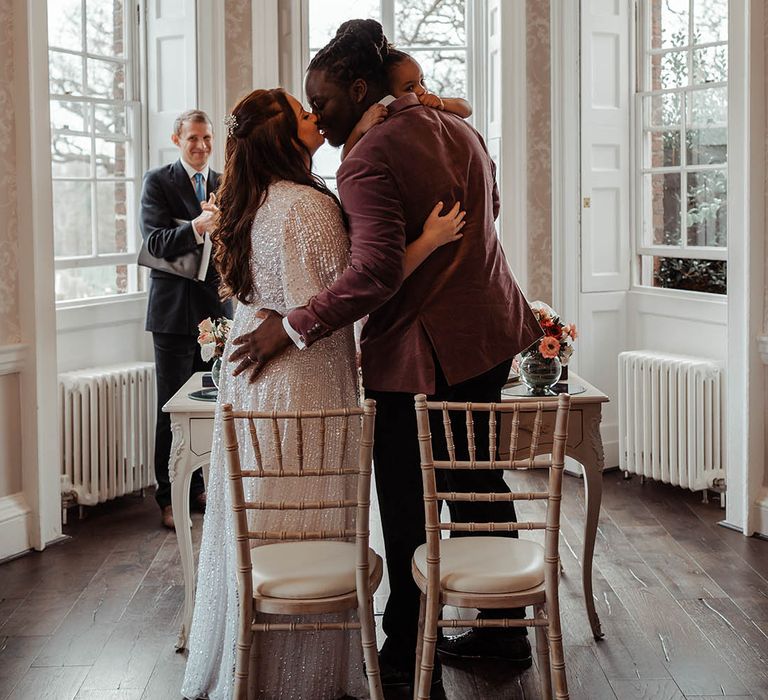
[{"x": 199, "y": 189}]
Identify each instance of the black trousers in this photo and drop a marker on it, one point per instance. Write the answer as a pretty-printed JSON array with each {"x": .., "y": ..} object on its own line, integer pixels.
[
  {"x": 400, "y": 493},
  {"x": 177, "y": 358}
]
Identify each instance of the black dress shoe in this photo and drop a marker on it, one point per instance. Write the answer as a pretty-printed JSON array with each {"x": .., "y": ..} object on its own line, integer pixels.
[
  {"x": 515, "y": 649},
  {"x": 398, "y": 676}
]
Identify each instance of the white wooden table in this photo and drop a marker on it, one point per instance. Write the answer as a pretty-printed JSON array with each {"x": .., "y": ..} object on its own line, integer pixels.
[
  {"x": 192, "y": 431},
  {"x": 585, "y": 445}
]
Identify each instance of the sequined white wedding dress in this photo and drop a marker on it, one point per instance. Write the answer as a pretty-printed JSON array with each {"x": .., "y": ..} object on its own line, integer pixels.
[{"x": 299, "y": 247}]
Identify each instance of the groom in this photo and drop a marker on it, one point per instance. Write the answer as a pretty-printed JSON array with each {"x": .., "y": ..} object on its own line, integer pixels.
[{"x": 449, "y": 330}]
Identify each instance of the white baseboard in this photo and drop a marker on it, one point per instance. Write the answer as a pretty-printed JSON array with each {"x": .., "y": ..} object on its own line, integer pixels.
[
  {"x": 761, "y": 513},
  {"x": 14, "y": 525}
]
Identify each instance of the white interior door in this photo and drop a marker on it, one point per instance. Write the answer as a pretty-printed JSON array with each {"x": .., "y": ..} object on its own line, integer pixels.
[
  {"x": 171, "y": 72},
  {"x": 605, "y": 200}
]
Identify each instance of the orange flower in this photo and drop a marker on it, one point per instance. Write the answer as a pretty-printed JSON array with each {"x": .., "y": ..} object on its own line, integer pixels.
[{"x": 549, "y": 347}]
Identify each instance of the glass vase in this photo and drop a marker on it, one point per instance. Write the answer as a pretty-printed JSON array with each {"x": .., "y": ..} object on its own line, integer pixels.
[
  {"x": 539, "y": 373},
  {"x": 216, "y": 372}
]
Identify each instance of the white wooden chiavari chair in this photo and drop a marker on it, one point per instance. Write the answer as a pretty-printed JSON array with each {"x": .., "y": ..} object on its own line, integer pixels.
[
  {"x": 492, "y": 572},
  {"x": 301, "y": 572}
]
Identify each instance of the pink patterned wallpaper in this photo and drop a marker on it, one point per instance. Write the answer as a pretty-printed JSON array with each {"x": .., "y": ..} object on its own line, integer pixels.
[
  {"x": 539, "y": 152},
  {"x": 10, "y": 331},
  {"x": 239, "y": 54}
]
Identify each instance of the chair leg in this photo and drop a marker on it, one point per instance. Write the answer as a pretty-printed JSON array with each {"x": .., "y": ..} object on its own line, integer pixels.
[
  {"x": 371, "y": 655},
  {"x": 422, "y": 683},
  {"x": 542, "y": 652},
  {"x": 555, "y": 637},
  {"x": 242, "y": 660},
  {"x": 419, "y": 641}
]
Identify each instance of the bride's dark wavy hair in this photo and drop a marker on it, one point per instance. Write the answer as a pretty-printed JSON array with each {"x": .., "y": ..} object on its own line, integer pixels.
[{"x": 263, "y": 146}]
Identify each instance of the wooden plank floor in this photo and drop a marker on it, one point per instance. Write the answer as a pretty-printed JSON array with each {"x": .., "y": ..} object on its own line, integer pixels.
[{"x": 683, "y": 602}]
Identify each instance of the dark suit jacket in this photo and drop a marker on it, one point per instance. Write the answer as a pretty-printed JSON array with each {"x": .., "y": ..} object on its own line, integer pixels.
[
  {"x": 176, "y": 304},
  {"x": 463, "y": 302}
]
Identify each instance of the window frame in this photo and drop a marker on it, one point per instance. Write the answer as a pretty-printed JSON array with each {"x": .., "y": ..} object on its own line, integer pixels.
[
  {"x": 135, "y": 142},
  {"x": 477, "y": 72},
  {"x": 644, "y": 249}
]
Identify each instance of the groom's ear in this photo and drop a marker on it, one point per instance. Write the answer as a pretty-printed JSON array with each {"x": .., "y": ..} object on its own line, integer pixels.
[{"x": 358, "y": 90}]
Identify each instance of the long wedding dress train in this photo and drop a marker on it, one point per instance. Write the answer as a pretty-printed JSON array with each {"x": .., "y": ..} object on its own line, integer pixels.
[{"x": 300, "y": 246}]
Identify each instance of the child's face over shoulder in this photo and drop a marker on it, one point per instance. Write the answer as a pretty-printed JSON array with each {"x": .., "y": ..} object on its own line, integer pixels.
[{"x": 406, "y": 77}]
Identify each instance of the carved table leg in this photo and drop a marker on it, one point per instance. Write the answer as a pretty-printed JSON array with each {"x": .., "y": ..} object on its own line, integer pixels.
[
  {"x": 180, "y": 473},
  {"x": 590, "y": 454}
]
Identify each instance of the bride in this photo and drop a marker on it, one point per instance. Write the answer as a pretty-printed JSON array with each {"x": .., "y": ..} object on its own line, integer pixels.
[{"x": 280, "y": 240}]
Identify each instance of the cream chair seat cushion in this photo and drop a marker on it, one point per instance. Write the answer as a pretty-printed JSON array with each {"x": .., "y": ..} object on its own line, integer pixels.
[
  {"x": 486, "y": 564},
  {"x": 305, "y": 570}
]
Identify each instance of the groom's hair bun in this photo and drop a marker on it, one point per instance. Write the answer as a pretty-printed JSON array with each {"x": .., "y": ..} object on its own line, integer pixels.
[{"x": 359, "y": 50}]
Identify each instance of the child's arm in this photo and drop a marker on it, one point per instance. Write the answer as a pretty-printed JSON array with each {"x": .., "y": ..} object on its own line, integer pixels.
[
  {"x": 374, "y": 115},
  {"x": 454, "y": 105},
  {"x": 438, "y": 230}
]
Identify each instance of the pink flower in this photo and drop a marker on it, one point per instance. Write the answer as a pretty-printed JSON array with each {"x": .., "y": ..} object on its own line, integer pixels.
[
  {"x": 549, "y": 347},
  {"x": 205, "y": 326},
  {"x": 570, "y": 330}
]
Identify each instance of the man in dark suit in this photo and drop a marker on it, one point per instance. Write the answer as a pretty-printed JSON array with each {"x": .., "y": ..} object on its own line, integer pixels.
[
  {"x": 173, "y": 222},
  {"x": 449, "y": 330}
]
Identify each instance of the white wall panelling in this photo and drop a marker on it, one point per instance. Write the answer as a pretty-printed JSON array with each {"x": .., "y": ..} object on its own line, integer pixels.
[
  {"x": 746, "y": 474},
  {"x": 266, "y": 53},
  {"x": 37, "y": 378}
]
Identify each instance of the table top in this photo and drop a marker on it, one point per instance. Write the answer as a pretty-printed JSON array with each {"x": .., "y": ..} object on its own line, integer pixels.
[
  {"x": 590, "y": 395},
  {"x": 181, "y": 403}
]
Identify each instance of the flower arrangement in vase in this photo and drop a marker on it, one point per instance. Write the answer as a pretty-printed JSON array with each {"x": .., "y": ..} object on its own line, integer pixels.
[
  {"x": 212, "y": 337},
  {"x": 542, "y": 364}
]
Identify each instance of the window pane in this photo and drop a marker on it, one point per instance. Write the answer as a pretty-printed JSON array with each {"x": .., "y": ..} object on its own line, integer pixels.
[
  {"x": 707, "y": 208},
  {"x": 430, "y": 22},
  {"x": 71, "y": 218},
  {"x": 70, "y": 156},
  {"x": 65, "y": 28},
  {"x": 669, "y": 23},
  {"x": 326, "y": 161},
  {"x": 706, "y": 146},
  {"x": 445, "y": 72},
  {"x": 104, "y": 27},
  {"x": 670, "y": 70},
  {"x": 102, "y": 281},
  {"x": 325, "y": 17},
  {"x": 664, "y": 110},
  {"x": 708, "y": 108},
  {"x": 710, "y": 20},
  {"x": 662, "y": 208},
  {"x": 710, "y": 65},
  {"x": 106, "y": 79},
  {"x": 690, "y": 274},
  {"x": 111, "y": 221},
  {"x": 110, "y": 158},
  {"x": 65, "y": 73},
  {"x": 69, "y": 116},
  {"x": 110, "y": 119},
  {"x": 663, "y": 149}
]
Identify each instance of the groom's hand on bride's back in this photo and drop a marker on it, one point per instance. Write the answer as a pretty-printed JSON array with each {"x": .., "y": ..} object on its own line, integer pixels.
[{"x": 257, "y": 348}]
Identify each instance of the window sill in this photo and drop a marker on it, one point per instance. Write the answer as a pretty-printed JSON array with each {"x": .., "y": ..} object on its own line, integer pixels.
[
  {"x": 97, "y": 313},
  {"x": 681, "y": 294}
]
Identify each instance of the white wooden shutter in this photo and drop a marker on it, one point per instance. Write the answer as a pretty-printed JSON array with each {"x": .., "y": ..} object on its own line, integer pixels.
[
  {"x": 605, "y": 145},
  {"x": 171, "y": 72}
]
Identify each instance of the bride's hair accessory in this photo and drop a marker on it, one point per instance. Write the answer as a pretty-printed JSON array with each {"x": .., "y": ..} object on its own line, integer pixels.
[{"x": 230, "y": 121}]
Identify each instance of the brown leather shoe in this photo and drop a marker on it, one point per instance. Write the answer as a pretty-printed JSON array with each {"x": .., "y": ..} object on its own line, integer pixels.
[
  {"x": 167, "y": 518},
  {"x": 199, "y": 502}
]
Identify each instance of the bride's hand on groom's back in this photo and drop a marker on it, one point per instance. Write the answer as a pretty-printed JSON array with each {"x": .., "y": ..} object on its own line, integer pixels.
[{"x": 257, "y": 348}]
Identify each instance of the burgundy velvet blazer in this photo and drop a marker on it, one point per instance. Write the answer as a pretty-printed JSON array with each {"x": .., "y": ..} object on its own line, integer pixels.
[{"x": 462, "y": 304}]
